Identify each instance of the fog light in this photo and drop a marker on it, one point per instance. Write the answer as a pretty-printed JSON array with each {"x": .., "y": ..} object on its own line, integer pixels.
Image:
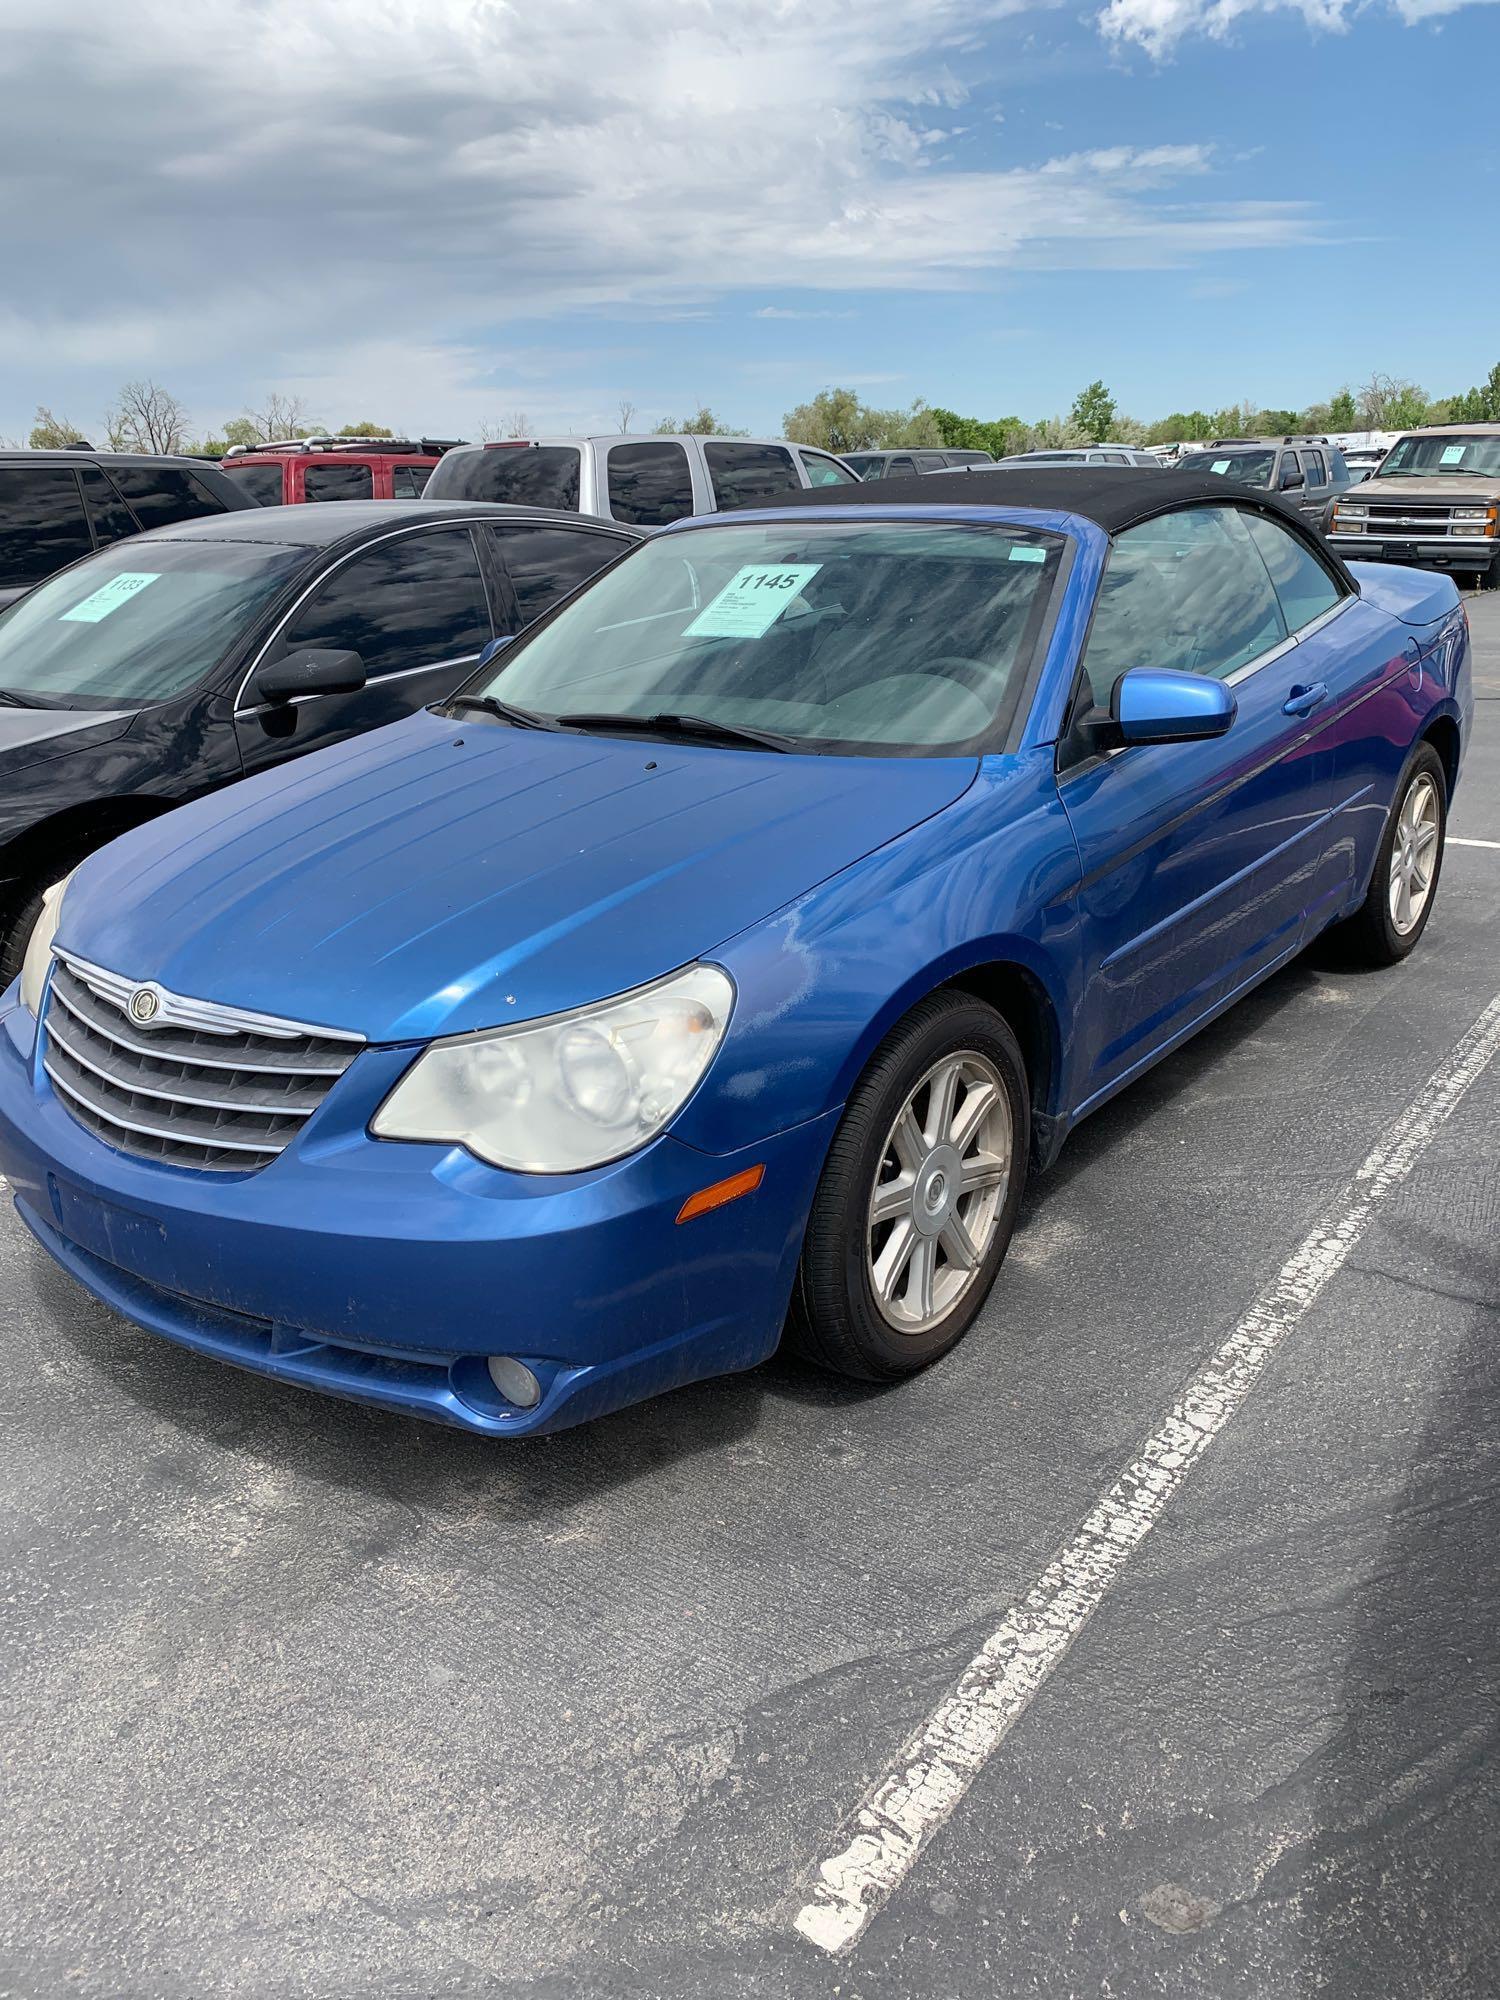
[{"x": 515, "y": 1381}]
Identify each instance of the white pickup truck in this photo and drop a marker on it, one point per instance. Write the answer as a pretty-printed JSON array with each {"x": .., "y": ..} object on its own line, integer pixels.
[{"x": 646, "y": 481}]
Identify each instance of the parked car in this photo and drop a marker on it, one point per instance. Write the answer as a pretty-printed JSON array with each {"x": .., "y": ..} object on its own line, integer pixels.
[
  {"x": 1362, "y": 464},
  {"x": 1091, "y": 454},
  {"x": 646, "y": 481},
  {"x": 905, "y": 464},
  {"x": 299, "y": 471},
  {"x": 1307, "y": 473},
  {"x": 56, "y": 506},
  {"x": 159, "y": 670},
  {"x": 721, "y": 957},
  {"x": 1435, "y": 500}
]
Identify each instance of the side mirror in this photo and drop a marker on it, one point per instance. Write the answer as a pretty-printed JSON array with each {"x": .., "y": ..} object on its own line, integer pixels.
[
  {"x": 315, "y": 670},
  {"x": 1290, "y": 478},
  {"x": 495, "y": 646},
  {"x": 1157, "y": 705}
]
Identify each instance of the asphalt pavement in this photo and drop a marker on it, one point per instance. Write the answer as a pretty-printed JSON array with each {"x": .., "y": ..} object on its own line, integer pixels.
[{"x": 298, "y": 1699}]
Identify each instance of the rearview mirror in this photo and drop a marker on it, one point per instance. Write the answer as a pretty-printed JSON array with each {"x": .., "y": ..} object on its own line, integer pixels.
[
  {"x": 495, "y": 646},
  {"x": 1158, "y": 705},
  {"x": 315, "y": 670}
]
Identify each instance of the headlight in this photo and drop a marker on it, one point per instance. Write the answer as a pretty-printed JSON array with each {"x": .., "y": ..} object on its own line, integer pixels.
[
  {"x": 1479, "y": 515},
  {"x": 38, "y": 957},
  {"x": 555, "y": 1096},
  {"x": 1344, "y": 512}
]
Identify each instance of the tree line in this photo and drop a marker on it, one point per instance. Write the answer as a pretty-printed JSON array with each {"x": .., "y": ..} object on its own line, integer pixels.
[{"x": 146, "y": 417}]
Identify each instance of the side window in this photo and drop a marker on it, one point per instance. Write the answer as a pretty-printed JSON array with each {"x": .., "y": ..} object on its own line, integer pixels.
[
  {"x": 261, "y": 482},
  {"x": 900, "y": 468},
  {"x": 823, "y": 471},
  {"x": 112, "y": 519},
  {"x": 929, "y": 461},
  {"x": 1287, "y": 476},
  {"x": 1188, "y": 590},
  {"x": 161, "y": 494},
  {"x": 407, "y": 481},
  {"x": 1316, "y": 470},
  {"x": 1303, "y": 587},
  {"x": 743, "y": 475},
  {"x": 338, "y": 482},
  {"x": 408, "y": 602},
  {"x": 546, "y": 563},
  {"x": 42, "y": 524},
  {"x": 649, "y": 484}
]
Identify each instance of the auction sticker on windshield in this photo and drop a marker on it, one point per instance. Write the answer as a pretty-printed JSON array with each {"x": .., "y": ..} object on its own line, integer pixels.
[
  {"x": 110, "y": 596},
  {"x": 751, "y": 602}
]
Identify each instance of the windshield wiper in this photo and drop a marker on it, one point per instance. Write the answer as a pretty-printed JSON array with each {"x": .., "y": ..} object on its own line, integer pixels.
[
  {"x": 491, "y": 704},
  {"x": 682, "y": 725},
  {"x": 13, "y": 700}
]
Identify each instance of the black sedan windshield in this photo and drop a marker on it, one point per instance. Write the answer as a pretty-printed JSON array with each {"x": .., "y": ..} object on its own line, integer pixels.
[
  {"x": 139, "y": 622},
  {"x": 890, "y": 636}
]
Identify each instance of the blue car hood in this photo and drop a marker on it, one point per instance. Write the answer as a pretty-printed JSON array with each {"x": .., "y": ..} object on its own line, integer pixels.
[{"x": 434, "y": 877}]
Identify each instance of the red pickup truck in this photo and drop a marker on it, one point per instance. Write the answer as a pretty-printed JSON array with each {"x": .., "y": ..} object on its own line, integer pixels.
[{"x": 294, "y": 470}]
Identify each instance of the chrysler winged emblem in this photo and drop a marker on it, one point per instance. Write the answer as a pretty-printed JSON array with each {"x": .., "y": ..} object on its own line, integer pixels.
[{"x": 145, "y": 1004}]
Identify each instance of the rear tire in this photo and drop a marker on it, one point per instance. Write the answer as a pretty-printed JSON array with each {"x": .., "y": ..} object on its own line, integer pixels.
[
  {"x": 1404, "y": 885},
  {"x": 919, "y": 1195}
]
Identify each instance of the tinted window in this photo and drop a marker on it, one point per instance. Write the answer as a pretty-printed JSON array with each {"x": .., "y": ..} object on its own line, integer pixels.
[
  {"x": 338, "y": 482},
  {"x": 1316, "y": 470},
  {"x": 929, "y": 461},
  {"x": 136, "y": 625},
  {"x": 409, "y": 481},
  {"x": 897, "y": 468},
  {"x": 1289, "y": 470},
  {"x": 823, "y": 471},
  {"x": 744, "y": 475},
  {"x": 261, "y": 482},
  {"x": 1304, "y": 588},
  {"x": 649, "y": 484},
  {"x": 546, "y": 563},
  {"x": 160, "y": 494},
  {"x": 405, "y": 603},
  {"x": 868, "y": 464},
  {"x": 42, "y": 524},
  {"x": 112, "y": 519},
  {"x": 1189, "y": 591},
  {"x": 898, "y": 634},
  {"x": 523, "y": 475}
]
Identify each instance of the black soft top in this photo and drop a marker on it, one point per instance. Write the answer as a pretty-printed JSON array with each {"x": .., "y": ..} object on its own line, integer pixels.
[{"x": 1112, "y": 496}]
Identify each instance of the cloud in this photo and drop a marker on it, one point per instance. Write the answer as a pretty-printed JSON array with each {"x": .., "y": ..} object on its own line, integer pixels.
[
  {"x": 1159, "y": 25},
  {"x": 258, "y": 184}
]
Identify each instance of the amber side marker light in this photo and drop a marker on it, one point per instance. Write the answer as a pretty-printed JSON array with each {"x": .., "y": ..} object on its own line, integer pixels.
[{"x": 721, "y": 1193}]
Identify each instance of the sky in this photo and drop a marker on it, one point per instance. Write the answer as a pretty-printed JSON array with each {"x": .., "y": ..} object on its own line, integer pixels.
[{"x": 441, "y": 214}]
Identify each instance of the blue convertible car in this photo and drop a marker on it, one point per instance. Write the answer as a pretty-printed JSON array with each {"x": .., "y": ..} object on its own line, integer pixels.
[{"x": 718, "y": 963}]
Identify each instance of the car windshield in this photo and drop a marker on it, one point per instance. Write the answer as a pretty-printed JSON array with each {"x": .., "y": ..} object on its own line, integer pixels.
[
  {"x": 1426, "y": 457},
  {"x": 138, "y": 622},
  {"x": 896, "y": 636},
  {"x": 1249, "y": 468}
]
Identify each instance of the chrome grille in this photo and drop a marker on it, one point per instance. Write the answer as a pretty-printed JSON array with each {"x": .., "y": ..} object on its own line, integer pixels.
[
  {"x": 191, "y": 1083},
  {"x": 1421, "y": 521}
]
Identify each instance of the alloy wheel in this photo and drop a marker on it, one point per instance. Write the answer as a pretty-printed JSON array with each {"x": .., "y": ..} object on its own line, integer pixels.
[{"x": 1414, "y": 854}]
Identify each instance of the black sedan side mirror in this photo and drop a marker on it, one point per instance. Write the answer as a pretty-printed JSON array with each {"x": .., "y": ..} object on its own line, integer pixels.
[{"x": 315, "y": 670}]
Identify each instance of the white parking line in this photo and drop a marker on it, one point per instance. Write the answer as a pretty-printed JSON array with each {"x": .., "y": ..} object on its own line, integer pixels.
[
  {"x": 1454, "y": 841},
  {"x": 906, "y": 1807}
]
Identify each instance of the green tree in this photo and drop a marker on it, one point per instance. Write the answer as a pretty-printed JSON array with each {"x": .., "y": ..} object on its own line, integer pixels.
[
  {"x": 1276, "y": 423},
  {"x": 835, "y": 420},
  {"x": 1342, "y": 414},
  {"x": 1480, "y": 405},
  {"x": 702, "y": 423},
  {"x": 1391, "y": 403},
  {"x": 363, "y": 431},
  {"x": 50, "y": 433},
  {"x": 997, "y": 435},
  {"x": 1094, "y": 412}
]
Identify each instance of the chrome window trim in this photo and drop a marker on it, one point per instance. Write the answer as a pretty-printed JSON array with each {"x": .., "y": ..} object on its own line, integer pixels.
[
  {"x": 384, "y": 680},
  {"x": 391, "y": 535}
]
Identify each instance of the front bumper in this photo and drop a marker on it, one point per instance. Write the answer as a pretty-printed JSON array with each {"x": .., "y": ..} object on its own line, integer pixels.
[
  {"x": 387, "y": 1272},
  {"x": 1440, "y": 552}
]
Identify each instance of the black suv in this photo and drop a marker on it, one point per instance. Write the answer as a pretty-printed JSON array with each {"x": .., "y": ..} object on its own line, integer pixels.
[
  {"x": 1308, "y": 473},
  {"x": 56, "y": 506}
]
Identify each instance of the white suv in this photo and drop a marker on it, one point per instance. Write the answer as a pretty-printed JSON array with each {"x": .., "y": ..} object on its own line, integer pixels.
[{"x": 646, "y": 481}]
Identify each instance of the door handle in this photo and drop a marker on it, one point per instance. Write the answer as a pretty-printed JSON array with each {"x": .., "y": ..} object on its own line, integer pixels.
[{"x": 1303, "y": 700}]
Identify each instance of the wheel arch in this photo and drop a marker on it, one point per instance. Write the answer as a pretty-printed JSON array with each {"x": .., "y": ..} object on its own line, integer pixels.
[
  {"x": 75, "y": 829},
  {"x": 1442, "y": 733}
]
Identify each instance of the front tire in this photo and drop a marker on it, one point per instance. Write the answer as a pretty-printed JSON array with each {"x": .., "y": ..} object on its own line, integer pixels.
[
  {"x": 919, "y": 1194},
  {"x": 1403, "y": 887}
]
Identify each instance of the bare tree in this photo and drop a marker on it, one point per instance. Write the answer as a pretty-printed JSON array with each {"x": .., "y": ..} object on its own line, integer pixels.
[
  {"x": 627, "y": 413},
  {"x": 282, "y": 417},
  {"x": 499, "y": 430},
  {"x": 50, "y": 433},
  {"x": 146, "y": 418}
]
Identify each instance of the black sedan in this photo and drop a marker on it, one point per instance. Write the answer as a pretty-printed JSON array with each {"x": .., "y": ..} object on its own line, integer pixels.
[{"x": 167, "y": 665}]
